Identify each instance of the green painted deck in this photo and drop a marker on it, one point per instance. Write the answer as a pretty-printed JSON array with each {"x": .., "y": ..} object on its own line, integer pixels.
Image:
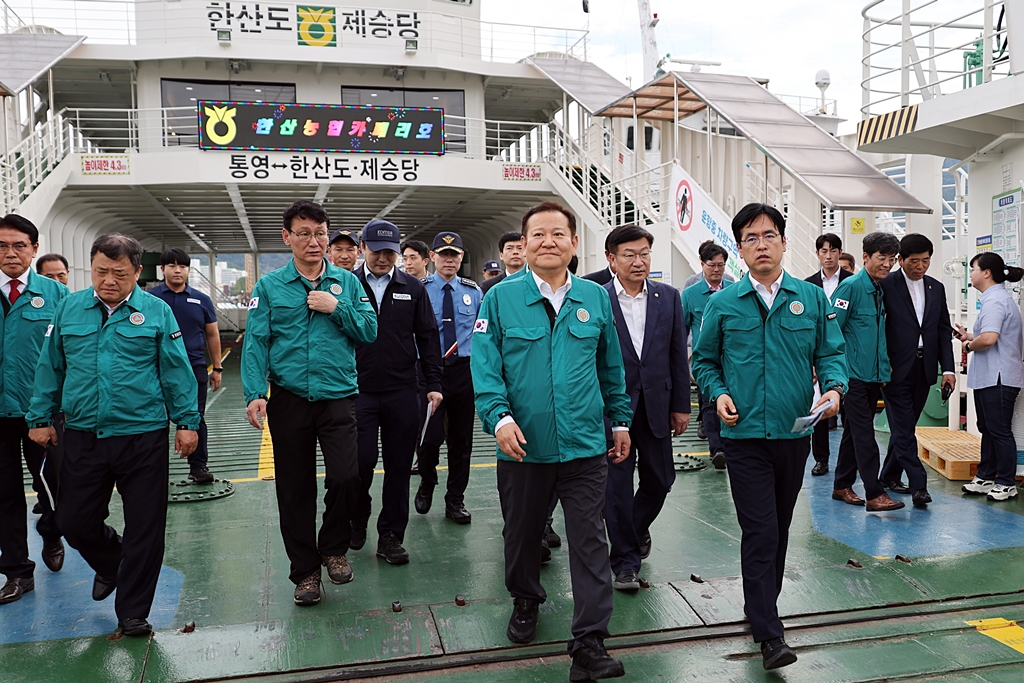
[{"x": 228, "y": 573}]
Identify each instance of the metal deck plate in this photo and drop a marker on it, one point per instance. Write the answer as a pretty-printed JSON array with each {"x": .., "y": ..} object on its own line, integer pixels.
[{"x": 185, "y": 491}]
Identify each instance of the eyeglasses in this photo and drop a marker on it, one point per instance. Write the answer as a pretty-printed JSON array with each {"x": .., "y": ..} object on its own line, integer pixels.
[
  {"x": 307, "y": 236},
  {"x": 714, "y": 266},
  {"x": 630, "y": 256},
  {"x": 768, "y": 238},
  {"x": 19, "y": 247}
]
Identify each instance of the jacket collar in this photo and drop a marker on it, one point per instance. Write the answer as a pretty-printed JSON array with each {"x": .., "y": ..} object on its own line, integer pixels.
[
  {"x": 331, "y": 272},
  {"x": 746, "y": 284},
  {"x": 134, "y": 299},
  {"x": 534, "y": 296}
]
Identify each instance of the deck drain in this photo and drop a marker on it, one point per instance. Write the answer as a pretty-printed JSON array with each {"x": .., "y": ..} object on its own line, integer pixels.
[
  {"x": 185, "y": 491},
  {"x": 688, "y": 463}
]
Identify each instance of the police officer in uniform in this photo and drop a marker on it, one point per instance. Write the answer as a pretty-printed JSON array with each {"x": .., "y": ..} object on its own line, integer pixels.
[
  {"x": 759, "y": 344},
  {"x": 304, "y": 322},
  {"x": 388, "y": 404},
  {"x": 456, "y": 301},
  {"x": 344, "y": 249},
  {"x": 28, "y": 301},
  {"x": 115, "y": 431}
]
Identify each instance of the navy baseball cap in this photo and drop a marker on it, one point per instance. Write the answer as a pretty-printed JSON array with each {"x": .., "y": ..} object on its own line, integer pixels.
[
  {"x": 448, "y": 240},
  {"x": 492, "y": 265},
  {"x": 349, "y": 235},
  {"x": 379, "y": 235}
]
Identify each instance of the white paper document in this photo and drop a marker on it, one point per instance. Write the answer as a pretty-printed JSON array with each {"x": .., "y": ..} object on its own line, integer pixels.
[
  {"x": 426, "y": 423},
  {"x": 802, "y": 424}
]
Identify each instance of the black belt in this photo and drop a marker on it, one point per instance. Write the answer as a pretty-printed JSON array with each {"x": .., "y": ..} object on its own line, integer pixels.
[{"x": 458, "y": 361}]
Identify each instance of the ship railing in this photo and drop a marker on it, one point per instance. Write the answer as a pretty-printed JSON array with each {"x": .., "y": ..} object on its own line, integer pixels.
[
  {"x": 800, "y": 228},
  {"x": 9, "y": 19},
  {"x": 811, "y": 106},
  {"x": 916, "y": 53}
]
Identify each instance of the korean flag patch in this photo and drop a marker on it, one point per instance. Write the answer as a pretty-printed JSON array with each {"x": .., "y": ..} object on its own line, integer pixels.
[
  {"x": 480, "y": 326},
  {"x": 842, "y": 303},
  {"x": 254, "y": 302}
]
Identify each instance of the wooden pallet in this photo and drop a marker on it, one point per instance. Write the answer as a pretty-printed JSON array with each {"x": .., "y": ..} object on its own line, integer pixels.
[{"x": 954, "y": 455}]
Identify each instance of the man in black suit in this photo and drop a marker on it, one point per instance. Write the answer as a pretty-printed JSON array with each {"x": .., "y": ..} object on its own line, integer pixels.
[
  {"x": 918, "y": 334},
  {"x": 652, "y": 335},
  {"x": 605, "y": 275},
  {"x": 828, "y": 249},
  {"x": 512, "y": 254}
]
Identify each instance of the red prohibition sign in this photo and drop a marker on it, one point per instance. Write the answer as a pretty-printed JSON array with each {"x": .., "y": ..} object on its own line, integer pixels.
[{"x": 684, "y": 205}]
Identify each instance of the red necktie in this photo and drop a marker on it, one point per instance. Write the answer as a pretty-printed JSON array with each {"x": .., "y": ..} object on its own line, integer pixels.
[{"x": 14, "y": 291}]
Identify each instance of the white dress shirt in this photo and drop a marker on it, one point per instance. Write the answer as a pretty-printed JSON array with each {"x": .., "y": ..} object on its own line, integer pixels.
[
  {"x": 829, "y": 284},
  {"x": 634, "y": 312},
  {"x": 768, "y": 295},
  {"x": 556, "y": 297},
  {"x": 916, "y": 288},
  {"x": 5, "y": 283}
]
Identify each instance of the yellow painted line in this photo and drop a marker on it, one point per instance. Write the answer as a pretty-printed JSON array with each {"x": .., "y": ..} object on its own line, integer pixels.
[
  {"x": 1006, "y": 632},
  {"x": 266, "y": 466},
  {"x": 223, "y": 356}
]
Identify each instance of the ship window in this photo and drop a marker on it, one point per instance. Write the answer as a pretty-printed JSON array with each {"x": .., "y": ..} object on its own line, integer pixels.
[{"x": 180, "y": 98}]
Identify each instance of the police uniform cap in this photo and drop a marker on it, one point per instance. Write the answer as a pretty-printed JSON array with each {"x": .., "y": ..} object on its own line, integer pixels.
[
  {"x": 448, "y": 241},
  {"x": 349, "y": 235}
]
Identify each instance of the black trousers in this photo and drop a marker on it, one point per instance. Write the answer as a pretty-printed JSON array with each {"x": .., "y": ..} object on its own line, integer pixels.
[
  {"x": 819, "y": 441},
  {"x": 707, "y": 412},
  {"x": 765, "y": 477},
  {"x": 395, "y": 415},
  {"x": 457, "y": 407},
  {"x": 994, "y": 406},
  {"x": 296, "y": 426},
  {"x": 15, "y": 445},
  {"x": 138, "y": 466},
  {"x": 627, "y": 515},
  {"x": 858, "y": 450},
  {"x": 904, "y": 402},
  {"x": 525, "y": 490},
  {"x": 200, "y": 456}
]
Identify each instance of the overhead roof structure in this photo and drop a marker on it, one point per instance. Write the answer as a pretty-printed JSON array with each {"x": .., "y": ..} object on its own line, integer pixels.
[
  {"x": 835, "y": 174},
  {"x": 588, "y": 84},
  {"x": 24, "y": 57}
]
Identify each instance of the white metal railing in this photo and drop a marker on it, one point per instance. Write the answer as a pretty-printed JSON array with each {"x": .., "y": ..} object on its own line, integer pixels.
[
  {"x": 800, "y": 228},
  {"x": 9, "y": 19},
  {"x": 165, "y": 21},
  {"x": 811, "y": 106},
  {"x": 915, "y": 52}
]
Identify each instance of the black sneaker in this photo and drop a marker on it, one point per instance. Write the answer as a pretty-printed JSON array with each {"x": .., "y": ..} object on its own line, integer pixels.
[
  {"x": 701, "y": 434},
  {"x": 522, "y": 626},
  {"x": 645, "y": 546},
  {"x": 554, "y": 540},
  {"x": 135, "y": 627},
  {"x": 390, "y": 548},
  {"x": 458, "y": 513},
  {"x": 307, "y": 591},
  {"x": 591, "y": 661},
  {"x": 718, "y": 459},
  {"x": 626, "y": 580},
  {"x": 358, "y": 538},
  {"x": 776, "y": 654},
  {"x": 200, "y": 475},
  {"x": 424, "y": 497}
]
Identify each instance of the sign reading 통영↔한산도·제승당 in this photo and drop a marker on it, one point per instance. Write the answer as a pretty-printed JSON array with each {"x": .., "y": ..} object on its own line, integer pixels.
[{"x": 258, "y": 126}]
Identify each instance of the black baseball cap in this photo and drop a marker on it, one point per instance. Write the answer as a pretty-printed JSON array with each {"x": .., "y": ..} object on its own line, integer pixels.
[
  {"x": 492, "y": 265},
  {"x": 448, "y": 240},
  {"x": 349, "y": 235},
  {"x": 379, "y": 235}
]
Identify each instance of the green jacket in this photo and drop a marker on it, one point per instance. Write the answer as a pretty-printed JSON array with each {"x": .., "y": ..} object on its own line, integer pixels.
[
  {"x": 310, "y": 354},
  {"x": 116, "y": 378},
  {"x": 557, "y": 382},
  {"x": 860, "y": 312},
  {"x": 766, "y": 366},
  {"x": 695, "y": 300},
  {"x": 22, "y": 332}
]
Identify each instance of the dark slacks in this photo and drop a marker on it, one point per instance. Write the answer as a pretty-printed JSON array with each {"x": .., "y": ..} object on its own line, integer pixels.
[
  {"x": 296, "y": 426},
  {"x": 765, "y": 477},
  {"x": 904, "y": 402},
  {"x": 457, "y": 407},
  {"x": 395, "y": 415},
  {"x": 820, "y": 448},
  {"x": 998, "y": 447},
  {"x": 708, "y": 415},
  {"x": 525, "y": 490},
  {"x": 858, "y": 450},
  {"x": 200, "y": 456},
  {"x": 15, "y": 445},
  {"x": 627, "y": 515},
  {"x": 138, "y": 466}
]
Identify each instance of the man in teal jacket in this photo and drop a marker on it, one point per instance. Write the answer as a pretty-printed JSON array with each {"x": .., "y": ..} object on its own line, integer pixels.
[
  {"x": 547, "y": 369},
  {"x": 304, "y": 321},
  {"x": 760, "y": 343},
  {"x": 28, "y": 301},
  {"x": 114, "y": 363},
  {"x": 860, "y": 312}
]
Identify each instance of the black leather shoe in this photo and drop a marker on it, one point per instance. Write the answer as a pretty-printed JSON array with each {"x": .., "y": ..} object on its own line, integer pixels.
[
  {"x": 819, "y": 469},
  {"x": 896, "y": 486},
  {"x": 200, "y": 475},
  {"x": 102, "y": 588},
  {"x": 15, "y": 588},
  {"x": 53, "y": 555},
  {"x": 554, "y": 540},
  {"x": 358, "y": 539},
  {"x": 921, "y": 498},
  {"x": 776, "y": 654},
  {"x": 424, "y": 497},
  {"x": 522, "y": 626},
  {"x": 701, "y": 434},
  {"x": 37, "y": 509},
  {"x": 718, "y": 459},
  {"x": 458, "y": 513},
  {"x": 135, "y": 627},
  {"x": 390, "y": 548},
  {"x": 645, "y": 546},
  {"x": 591, "y": 662}
]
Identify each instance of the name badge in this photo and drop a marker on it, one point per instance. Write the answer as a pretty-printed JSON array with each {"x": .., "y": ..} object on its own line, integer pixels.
[
  {"x": 194, "y": 301},
  {"x": 397, "y": 296}
]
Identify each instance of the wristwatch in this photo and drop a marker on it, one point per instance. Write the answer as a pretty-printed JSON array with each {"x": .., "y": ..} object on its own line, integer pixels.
[
  {"x": 839, "y": 390},
  {"x": 217, "y": 370}
]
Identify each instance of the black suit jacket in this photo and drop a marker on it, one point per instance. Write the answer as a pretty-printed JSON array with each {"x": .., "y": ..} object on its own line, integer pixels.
[
  {"x": 661, "y": 370},
  {"x": 491, "y": 281},
  {"x": 601, "y": 277},
  {"x": 816, "y": 278},
  {"x": 902, "y": 330}
]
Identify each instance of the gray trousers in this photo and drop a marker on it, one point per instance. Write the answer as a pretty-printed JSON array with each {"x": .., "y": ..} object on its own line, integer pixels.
[{"x": 525, "y": 490}]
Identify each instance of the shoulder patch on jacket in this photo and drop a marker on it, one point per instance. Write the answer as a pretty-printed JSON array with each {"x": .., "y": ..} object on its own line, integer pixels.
[
  {"x": 842, "y": 303},
  {"x": 480, "y": 326},
  {"x": 469, "y": 283},
  {"x": 254, "y": 302},
  {"x": 175, "y": 335},
  {"x": 831, "y": 316}
]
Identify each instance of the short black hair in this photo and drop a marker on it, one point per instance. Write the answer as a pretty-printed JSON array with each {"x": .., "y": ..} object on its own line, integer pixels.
[
  {"x": 630, "y": 232},
  {"x": 116, "y": 246},
  {"x": 831, "y": 239},
  {"x": 15, "y": 222},
  {"x": 304, "y": 208},
  {"x": 419, "y": 247},
  {"x": 709, "y": 250},
  {"x": 749, "y": 213},
  {"x": 915, "y": 243},
  {"x": 884, "y": 243},
  {"x": 509, "y": 237},
  {"x": 176, "y": 257},
  {"x": 46, "y": 258},
  {"x": 551, "y": 207}
]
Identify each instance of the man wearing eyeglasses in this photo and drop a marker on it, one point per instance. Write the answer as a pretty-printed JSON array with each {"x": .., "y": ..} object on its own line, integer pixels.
[
  {"x": 304, "y": 322},
  {"x": 760, "y": 342},
  {"x": 860, "y": 311}
]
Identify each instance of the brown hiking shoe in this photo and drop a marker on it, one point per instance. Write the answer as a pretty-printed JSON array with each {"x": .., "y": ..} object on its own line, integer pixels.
[
  {"x": 307, "y": 592},
  {"x": 338, "y": 569}
]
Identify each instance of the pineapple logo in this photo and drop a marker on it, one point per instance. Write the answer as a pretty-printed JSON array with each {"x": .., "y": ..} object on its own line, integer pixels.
[
  {"x": 317, "y": 26},
  {"x": 221, "y": 119}
]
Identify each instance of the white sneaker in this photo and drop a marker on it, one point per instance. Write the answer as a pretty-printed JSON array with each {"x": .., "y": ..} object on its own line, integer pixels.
[
  {"x": 978, "y": 486},
  {"x": 999, "y": 493}
]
